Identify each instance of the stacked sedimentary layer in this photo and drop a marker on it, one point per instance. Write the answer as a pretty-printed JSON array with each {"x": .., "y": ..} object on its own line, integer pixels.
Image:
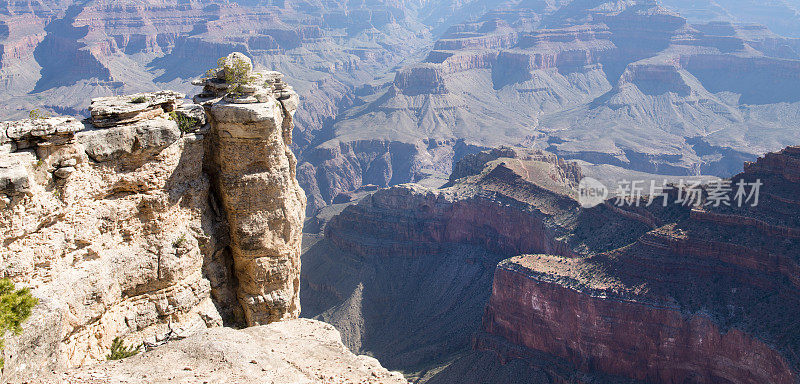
[
  {"x": 254, "y": 176},
  {"x": 115, "y": 222},
  {"x": 710, "y": 298},
  {"x": 405, "y": 273}
]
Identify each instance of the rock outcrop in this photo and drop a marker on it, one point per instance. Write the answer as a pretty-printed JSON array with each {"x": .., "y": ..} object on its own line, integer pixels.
[
  {"x": 147, "y": 222},
  {"x": 295, "y": 351},
  {"x": 254, "y": 173},
  {"x": 110, "y": 227}
]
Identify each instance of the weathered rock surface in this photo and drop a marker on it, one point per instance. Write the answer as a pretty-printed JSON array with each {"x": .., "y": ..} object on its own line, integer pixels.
[
  {"x": 114, "y": 224},
  {"x": 112, "y": 248},
  {"x": 254, "y": 173},
  {"x": 112, "y": 111},
  {"x": 294, "y": 351}
]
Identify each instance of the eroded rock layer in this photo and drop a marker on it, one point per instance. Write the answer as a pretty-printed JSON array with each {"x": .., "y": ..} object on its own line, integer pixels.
[
  {"x": 145, "y": 223},
  {"x": 254, "y": 175},
  {"x": 709, "y": 298}
]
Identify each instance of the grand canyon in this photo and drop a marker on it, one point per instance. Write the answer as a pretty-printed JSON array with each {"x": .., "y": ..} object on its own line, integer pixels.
[{"x": 248, "y": 191}]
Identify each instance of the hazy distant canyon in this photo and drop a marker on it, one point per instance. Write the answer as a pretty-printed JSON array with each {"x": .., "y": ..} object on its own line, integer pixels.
[{"x": 395, "y": 91}]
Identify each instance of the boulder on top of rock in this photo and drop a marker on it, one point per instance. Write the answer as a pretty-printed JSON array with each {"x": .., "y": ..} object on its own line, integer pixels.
[
  {"x": 23, "y": 133},
  {"x": 117, "y": 110},
  {"x": 235, "y": 81},
  {"x": 149, "y": 136}
]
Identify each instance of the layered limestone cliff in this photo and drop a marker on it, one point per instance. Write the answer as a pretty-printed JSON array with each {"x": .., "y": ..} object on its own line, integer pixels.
[
  {"x": 151, "y": 220},
  {"x": 107, "y": 221},
  {"x": 708, "y": 298}
]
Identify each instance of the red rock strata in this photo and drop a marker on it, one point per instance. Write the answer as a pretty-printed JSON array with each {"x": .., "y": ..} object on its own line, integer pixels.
[
  {"x": 711, "y": 298},
  {"x": 604, "y": 331}
]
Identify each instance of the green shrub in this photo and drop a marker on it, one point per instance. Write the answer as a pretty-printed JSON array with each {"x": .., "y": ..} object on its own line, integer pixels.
[
  {"x": 179, "y": 241},
  {"x": 185, "y": 123},
  {"x": 139, "y": 100},
  {"x": 236, "y": 74},
  {"x": 120, "y": 351},
  {"x": 36, "y": 114},
  {"x": 15, "y": 307}
]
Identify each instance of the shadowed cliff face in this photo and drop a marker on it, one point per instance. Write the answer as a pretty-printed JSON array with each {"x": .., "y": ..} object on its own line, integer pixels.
[{"x": 405, "y": 273}]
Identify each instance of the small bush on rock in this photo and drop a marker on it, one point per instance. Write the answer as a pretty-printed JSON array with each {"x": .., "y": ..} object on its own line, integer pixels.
[
  {"x": 120, "y": 351},
  {"x": 139, "y": 100},
  {"x": 36, "y": 114},
  {"x": 15, "y": 307},
  {"x": 236, "y": 72},
  {"x": 185, "y": 123}
]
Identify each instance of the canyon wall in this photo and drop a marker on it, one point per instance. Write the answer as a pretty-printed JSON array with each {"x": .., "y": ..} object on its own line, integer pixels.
[
  {"x": 150, "y": 221},
  {"x": 405, "y": 273},
  {"x": 709, "y": 298},
  {"x": 596, "y": 329}
]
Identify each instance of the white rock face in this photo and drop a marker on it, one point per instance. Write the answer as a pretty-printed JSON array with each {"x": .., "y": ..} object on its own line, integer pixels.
[
  {"x": 293, "y": 351},
  {"x": 144, "y": 223},
  {"x": 111, "y": 229}
]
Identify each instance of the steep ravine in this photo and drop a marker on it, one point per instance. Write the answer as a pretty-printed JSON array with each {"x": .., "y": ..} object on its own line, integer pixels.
[{"x": 405, "y": 274}]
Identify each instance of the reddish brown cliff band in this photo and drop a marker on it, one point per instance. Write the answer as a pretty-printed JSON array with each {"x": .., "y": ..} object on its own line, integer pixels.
[{"x": 622, "y": 337}]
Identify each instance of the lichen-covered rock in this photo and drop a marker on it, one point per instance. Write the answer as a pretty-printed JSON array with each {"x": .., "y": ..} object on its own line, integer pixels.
[{"x": 255, "y": 178}]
